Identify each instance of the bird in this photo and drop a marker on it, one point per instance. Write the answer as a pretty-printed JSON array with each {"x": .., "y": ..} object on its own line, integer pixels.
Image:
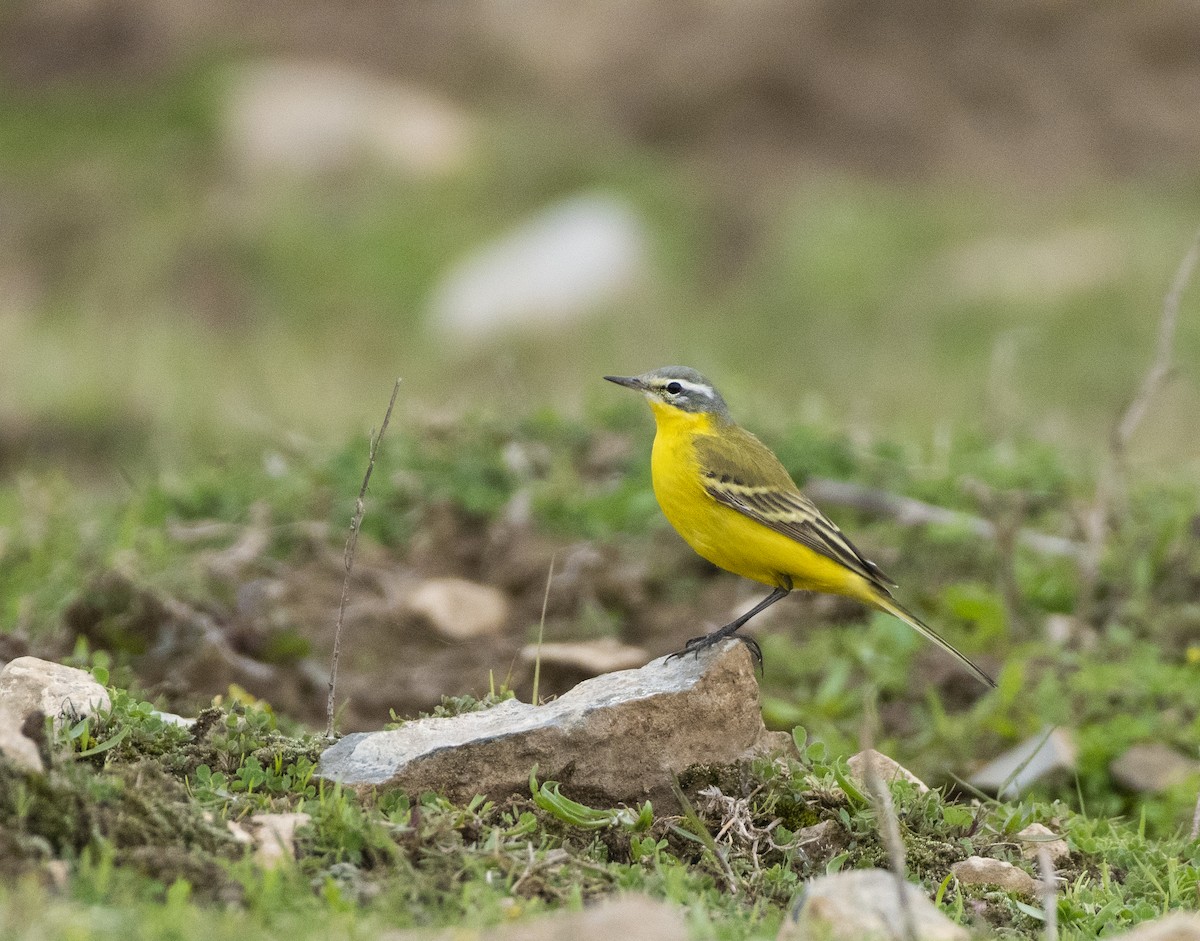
[{"x": 735, "y": 504}]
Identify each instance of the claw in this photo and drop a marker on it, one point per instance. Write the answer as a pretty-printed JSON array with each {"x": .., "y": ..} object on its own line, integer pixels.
[{"x": 696, "y": 644}]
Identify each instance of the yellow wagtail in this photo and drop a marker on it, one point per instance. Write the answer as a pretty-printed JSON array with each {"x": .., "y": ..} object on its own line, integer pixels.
[{"x": 733, "y": 502}]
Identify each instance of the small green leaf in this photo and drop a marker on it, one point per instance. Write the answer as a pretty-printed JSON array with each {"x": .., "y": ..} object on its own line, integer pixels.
[
  {"x": 105, "y": 746},
  {"x": 856, "y": 796},
  {"x": 1030, "y": 910}
]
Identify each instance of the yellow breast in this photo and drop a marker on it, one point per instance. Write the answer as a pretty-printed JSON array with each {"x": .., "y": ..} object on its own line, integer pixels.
[{"x": 720, "y": 533}]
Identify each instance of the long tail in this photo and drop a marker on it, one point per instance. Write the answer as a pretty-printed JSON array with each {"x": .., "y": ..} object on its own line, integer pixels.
[{"x": 894, "y": 608}]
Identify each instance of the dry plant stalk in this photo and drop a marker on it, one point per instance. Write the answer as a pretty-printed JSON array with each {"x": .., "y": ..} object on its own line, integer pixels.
[
  {"x": 1048, "y": 889},
  {"x": 889, "y": 825},
  {"x": 348, "y": 559},
  {"x": 537, "y": 661},
  {"x": 1110, "y": 489},
  {"x": 889, "y": 831}
]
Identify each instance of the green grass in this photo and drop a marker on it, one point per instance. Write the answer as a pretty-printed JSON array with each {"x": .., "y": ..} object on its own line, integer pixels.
[{"x": 137, "y": 810}]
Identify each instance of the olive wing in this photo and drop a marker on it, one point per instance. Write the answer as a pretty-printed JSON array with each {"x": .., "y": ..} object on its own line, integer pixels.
[{"x": 741, "y": 472}]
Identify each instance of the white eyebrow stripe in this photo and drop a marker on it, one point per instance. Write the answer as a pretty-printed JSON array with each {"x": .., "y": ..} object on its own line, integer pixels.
[{"x": 692, "y": 387}]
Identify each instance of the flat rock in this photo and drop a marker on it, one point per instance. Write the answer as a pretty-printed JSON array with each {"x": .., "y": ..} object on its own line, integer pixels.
[
  {"x": 554, "y": 269},
  {"x": 982, "y": 870},
  {"x": 1016, "y": 769},
  {"x": 615, "y": 738},
  {"x": 863, "y": 905},
  {"x": 627, "y": 916},
  {"x": 1036, "y": 836},
  {"x": 888, "y": 769},
  {"x": 1152, "y": 767},
  {"x": 1178, "y": 926},
  {"x": 29, "y": 685},
  {"x": 459, "y": 609}
]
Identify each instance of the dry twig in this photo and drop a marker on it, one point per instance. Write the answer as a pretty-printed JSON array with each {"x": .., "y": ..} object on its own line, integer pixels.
[
  {"x": 909, "y": 512},
  {"x": 348, "y": 559},
  {"x": 1111, "y": 486},
  {"x": 889, "y": 831},
  {"x": 1160, "y": 368},
  {"x": 537, "y": 663}
]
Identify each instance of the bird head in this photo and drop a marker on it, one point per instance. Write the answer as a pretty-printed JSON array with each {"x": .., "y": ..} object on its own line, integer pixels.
[{"x": 677, "y": 388}]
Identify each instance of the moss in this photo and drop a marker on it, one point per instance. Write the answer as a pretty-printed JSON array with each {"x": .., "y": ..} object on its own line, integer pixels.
[{"x": 72, "y": 807}]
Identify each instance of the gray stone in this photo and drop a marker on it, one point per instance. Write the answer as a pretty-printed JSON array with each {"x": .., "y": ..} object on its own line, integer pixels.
[
  {"x": 1178, "y": 926},
  {"x": 1036, "y": 836},
  {"x": 314, "y": 118},
  {"x": 459, "y": 609},
  {"x": 615, "y": 738},
  {"x": 563, "y": 264},
  {"x": 864, "y": 905},
  {"x": 1152, "y": 767},
  {"x": 982, "y": 870},
  {"x": 28, "y": 684},
  {"x": 1032, "y": 760}
]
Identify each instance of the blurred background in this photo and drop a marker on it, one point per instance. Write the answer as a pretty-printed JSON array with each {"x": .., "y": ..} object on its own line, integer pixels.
[{"x": 224, "y": 223}]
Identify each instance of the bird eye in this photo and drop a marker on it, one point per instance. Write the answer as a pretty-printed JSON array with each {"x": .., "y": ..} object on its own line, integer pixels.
[{"x": 674, "y": 388}]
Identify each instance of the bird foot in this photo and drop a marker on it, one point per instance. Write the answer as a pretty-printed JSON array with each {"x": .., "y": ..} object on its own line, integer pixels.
[{"x": 697, "y": 644}]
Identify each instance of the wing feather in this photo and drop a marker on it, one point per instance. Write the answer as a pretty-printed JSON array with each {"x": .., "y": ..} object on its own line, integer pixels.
[{"x": 741, "y": 472}]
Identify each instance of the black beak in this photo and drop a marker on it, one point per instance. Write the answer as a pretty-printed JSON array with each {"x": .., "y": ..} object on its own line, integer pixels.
[{"x": 629, "y": 382}]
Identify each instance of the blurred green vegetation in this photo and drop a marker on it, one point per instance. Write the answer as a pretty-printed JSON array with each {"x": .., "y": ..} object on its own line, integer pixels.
[{"x": 175, "y": 303}]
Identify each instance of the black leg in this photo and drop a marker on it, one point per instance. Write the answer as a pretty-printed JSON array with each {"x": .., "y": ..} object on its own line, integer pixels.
[{"x": 696, "y": 644}]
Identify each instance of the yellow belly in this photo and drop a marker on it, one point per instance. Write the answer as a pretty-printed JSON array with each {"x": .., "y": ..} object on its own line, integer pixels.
[{"x": 727, "y": 538}]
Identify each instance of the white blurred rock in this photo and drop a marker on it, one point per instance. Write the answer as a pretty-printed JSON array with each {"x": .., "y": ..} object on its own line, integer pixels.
[
  {"x": 1152, "y": 767},
  {"x": 1055, "y": 265},
  {"x": 1040, "y": 755},
  {"x": 864, "y": 904},
  {"x": 554, "y": 269},
  {"x": 311, "y": 117},
  {"x": 459, "y": 609},
  {"x": 626, "y": 916},
  {"x": 591, "y": 657},
  {"x": 982, "y": 870},
  {"x": 1178, "y": 926}
]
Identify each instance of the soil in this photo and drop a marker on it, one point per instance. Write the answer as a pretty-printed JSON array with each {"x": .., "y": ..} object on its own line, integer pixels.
[
  {"x": 1023, "y": 92},
  {"x": 267, "y": 626}
]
